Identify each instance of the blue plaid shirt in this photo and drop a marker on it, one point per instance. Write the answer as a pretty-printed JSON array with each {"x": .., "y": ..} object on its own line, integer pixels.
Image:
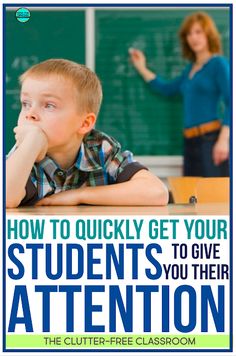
[{"x": 100, "y": 161}]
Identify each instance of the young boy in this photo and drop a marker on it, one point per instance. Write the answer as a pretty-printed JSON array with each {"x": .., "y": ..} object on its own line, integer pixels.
[{"x": 59, "y": 159}]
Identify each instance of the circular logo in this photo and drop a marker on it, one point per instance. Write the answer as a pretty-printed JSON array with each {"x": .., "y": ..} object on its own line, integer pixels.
[{"x": 23, "y": 14}]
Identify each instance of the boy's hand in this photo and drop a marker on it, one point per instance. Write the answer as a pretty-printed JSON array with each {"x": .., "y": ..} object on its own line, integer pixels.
[
  {"x": 35, "y": 135},
  {"x": 69, "y": 197}
]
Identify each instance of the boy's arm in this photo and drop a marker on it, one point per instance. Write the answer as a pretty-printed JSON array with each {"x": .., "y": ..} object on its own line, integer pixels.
[
  {"x": 31, "y": 146},
  {"x": 142, "y": 189}
]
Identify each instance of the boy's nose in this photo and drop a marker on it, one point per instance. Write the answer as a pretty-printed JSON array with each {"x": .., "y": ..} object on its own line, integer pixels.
[{"x": 32, "y": 116}]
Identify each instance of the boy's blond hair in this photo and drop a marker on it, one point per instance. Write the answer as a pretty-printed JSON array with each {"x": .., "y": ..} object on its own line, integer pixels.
[{"x": 86, "y": 82}]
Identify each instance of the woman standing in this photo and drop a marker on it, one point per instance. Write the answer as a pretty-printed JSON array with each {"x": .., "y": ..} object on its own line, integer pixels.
[{"x": 203, "y": 84}]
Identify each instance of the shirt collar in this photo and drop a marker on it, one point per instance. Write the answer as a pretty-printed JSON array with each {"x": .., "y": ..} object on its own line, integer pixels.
[
  {"x": 88, "y": 157},
  {"x": 49, "y": 166}
]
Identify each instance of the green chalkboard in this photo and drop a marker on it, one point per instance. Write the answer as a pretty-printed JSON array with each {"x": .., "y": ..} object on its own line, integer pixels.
[
  {"x": 146, "y": 123},
  {"x": 48, "y": 34}
]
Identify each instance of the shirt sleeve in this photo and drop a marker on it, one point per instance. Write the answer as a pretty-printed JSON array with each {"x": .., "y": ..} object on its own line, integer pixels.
[
  {"x": 167, "y": 87},
  {"x": 222, "y": 76},
  {"x": 31, "y": 196},
  {"x": 120, "y": 165}
]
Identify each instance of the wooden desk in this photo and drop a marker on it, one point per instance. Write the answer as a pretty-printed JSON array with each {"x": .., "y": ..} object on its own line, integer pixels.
[
  {"x": 171, "y": 209},
  {"x": 182, "y": 188}
]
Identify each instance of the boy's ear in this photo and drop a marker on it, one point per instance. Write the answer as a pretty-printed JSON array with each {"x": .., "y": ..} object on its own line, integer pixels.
[{"x": 87, "y": 123}]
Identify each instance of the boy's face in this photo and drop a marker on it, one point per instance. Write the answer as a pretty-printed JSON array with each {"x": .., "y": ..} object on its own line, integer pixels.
[{"x": 50, "y": 103}]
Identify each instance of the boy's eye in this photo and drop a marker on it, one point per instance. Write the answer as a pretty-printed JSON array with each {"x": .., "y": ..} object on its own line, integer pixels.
[
  {"x": 26, "y": 104},
  {"x": 50, "y": 106}
]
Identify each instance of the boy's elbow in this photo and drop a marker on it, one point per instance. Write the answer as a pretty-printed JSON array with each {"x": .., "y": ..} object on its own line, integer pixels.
[
  {"x": 160, "y": 194},
  {"x": 164, "y": 197},
  {"x": 153, "y": 190},
  {"x": 13, "y": 201}
]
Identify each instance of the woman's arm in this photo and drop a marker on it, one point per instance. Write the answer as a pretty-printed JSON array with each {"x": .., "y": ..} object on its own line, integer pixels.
[
  {"x": 139, "y": 62},
  {"x": 221, "y": 147},
  {"x": 222, "y": 77},
  {"x": 155, "y": 82}
]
